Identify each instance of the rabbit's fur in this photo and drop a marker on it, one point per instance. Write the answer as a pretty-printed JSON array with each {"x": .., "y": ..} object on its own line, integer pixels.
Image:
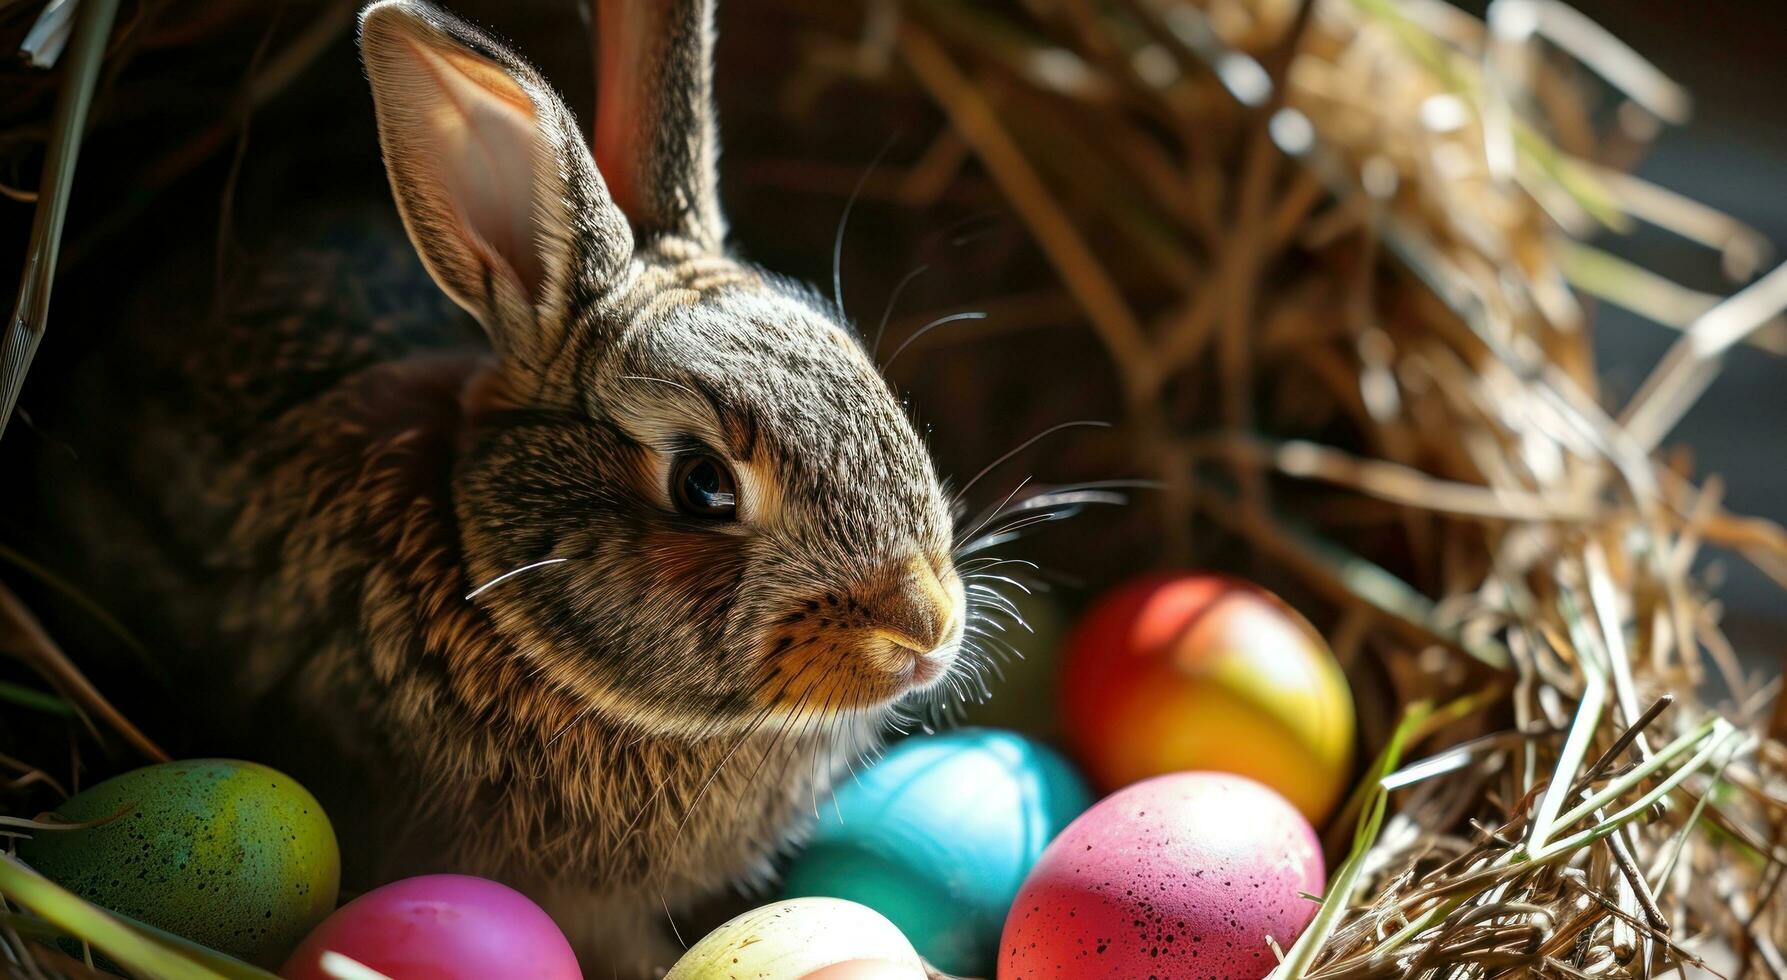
[{"x": 644, "y": 722}]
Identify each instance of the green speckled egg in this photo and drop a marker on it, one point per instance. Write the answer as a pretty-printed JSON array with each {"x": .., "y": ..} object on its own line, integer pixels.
[{"x": 230, "y": 854}]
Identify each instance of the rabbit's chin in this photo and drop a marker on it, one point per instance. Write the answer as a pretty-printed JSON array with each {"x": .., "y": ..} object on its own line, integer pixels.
[{"x": 862, "y": 686}]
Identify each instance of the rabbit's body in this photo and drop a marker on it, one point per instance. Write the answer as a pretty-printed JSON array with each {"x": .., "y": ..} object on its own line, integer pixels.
[
  {"x": 595, "y": 606},
  {"x": 288, "y": 514}
]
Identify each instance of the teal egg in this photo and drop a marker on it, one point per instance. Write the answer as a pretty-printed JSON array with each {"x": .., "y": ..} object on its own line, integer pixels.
[
  {"x": 233, "y": 855},
  {"x": 938, "y": 835}
]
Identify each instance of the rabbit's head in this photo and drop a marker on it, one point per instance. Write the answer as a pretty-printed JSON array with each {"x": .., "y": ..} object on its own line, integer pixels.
[{"x": 724, "y": 513}]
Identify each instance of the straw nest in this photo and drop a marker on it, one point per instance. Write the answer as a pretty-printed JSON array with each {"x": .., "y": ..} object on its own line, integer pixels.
[{"x": 1345, "y": 245}]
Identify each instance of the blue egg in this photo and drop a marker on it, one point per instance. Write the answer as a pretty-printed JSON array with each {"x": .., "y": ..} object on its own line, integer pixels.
[{"x": 938, "y": 836}]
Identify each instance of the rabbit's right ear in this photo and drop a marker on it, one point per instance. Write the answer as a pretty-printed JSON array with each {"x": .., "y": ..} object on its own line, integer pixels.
[
  {"x": 656, "y": 136},
  {"x": 495, "y": 184}
]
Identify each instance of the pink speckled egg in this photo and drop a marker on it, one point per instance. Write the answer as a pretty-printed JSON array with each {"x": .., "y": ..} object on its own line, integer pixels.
[
  {"x": 1178, "y": 876},
  {"x": 439, "y": 927}
]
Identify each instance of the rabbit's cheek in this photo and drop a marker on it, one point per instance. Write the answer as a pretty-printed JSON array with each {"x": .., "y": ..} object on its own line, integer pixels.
[{"x": 681, "y": 563}]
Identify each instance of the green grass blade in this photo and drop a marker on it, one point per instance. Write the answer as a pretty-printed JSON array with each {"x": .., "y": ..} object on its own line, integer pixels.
[
  {"x": 143, "y": 950},
  {"x": 32, "y": 698},
  {"x": 1346, "y": 877}
]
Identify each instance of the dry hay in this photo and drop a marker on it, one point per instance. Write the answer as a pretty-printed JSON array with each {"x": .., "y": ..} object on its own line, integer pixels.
[{"x": 1363, "y": 226}]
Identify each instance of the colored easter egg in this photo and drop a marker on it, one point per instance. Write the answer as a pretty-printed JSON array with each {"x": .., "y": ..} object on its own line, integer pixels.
[
  {"x": 440, "y": 927},
  {"x": 233, "y": 855},
  {"x": 793, "y": 938},
  {"x": 1017, "y": 688},
  {"x": 867, "y": 970},
  {"x": 1181, "y": 875},
  {"x": 938, "y": 836},
  {"x": 1181, "y": 672}
]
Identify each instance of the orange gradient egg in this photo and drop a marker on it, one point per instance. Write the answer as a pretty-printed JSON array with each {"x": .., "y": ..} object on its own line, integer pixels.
[{"x": 1183, "y": 671}]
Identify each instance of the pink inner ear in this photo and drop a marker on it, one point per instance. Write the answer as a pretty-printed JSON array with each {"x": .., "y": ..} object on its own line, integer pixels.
[
  {"x": 625, "y": 108},
  {"x": 486, "y": 141},
  {"x": 629, "y": 97}
]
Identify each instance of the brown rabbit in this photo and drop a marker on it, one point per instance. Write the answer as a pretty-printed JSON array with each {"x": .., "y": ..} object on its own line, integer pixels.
[{"x": 598, "y": 607}]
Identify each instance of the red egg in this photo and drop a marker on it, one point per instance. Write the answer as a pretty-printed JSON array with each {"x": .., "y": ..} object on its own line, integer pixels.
[
  {"x": 1179, "y": 672},
  {"x": 1178, "y": 876},
  {"x": 440, "y": 927}
]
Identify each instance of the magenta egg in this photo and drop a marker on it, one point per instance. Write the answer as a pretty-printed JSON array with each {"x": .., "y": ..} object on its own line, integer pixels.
[
  {"x": 440, "y": 927},
  {"x": 1181, "y": 875}
]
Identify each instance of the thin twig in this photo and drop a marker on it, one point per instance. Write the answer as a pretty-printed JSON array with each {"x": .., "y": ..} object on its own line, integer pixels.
[{"x": 82, "y": 60}]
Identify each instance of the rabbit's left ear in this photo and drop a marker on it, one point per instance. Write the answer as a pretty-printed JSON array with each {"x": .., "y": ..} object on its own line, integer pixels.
[{"x": 495, "y": 184}]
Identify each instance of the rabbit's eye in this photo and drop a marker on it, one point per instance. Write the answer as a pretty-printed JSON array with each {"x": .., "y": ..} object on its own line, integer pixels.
[{"x": 702, "y": 485}]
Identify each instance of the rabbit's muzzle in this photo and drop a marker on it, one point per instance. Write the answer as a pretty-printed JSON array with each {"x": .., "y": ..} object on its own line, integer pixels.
[
  {"x": 892, "y": 632},
  {"x": 909, "y": 607}
]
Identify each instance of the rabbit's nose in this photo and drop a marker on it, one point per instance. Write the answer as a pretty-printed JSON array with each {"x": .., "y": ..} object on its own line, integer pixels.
[{"x": 914, "y": 609}]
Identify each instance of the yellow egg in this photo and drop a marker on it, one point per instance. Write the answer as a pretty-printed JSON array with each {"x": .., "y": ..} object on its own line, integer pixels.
[
  {"x": 866, "y": 970},
  {"x": 794, "y": 938}
]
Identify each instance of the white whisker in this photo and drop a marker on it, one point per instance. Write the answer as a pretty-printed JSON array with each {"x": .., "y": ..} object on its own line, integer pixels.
[
  {"x": 1014, "y": 583},
  {"x": 1026, "y": 444},
  {"x": 504, "y": 577},
  {"x": 995, "y": 511},
  {"x": 662, "y": 381},
  {"x": 837, "y": 242},
  {"x": 927, "y": 328},
  {"x": 892, "y": 299}
]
